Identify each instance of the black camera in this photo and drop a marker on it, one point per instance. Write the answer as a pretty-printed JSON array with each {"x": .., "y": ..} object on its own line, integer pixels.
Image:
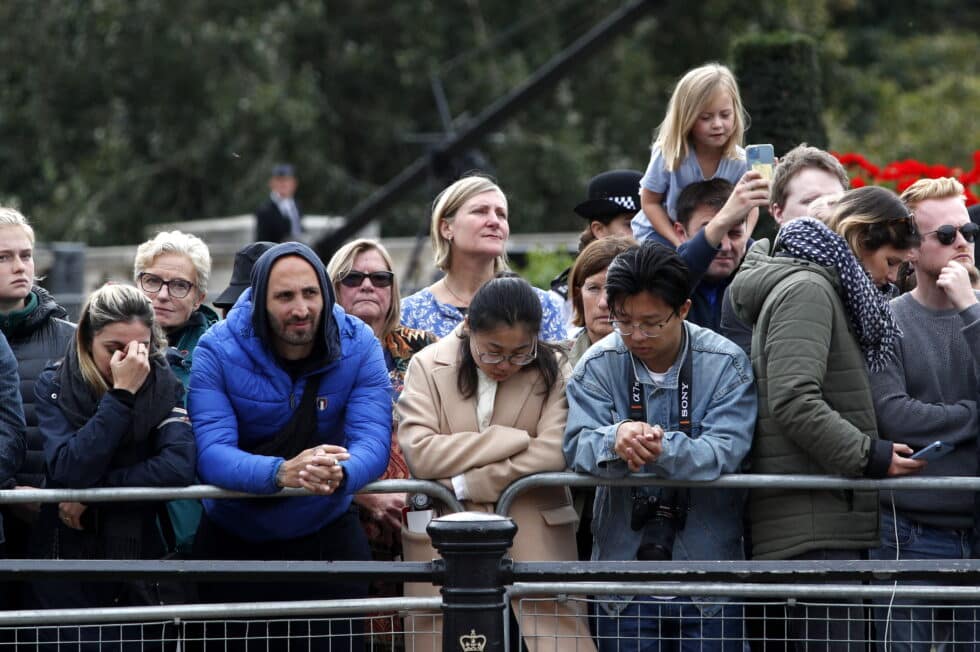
[{"x": 660, "y": 517}]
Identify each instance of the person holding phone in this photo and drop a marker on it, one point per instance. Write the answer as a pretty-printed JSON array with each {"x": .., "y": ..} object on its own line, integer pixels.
[
  {"x": 929, "y": 391},
  {"x": 820, "y": 322}
]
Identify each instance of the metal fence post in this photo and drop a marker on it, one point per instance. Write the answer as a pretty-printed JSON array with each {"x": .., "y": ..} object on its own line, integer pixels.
[{"x": 472, "y": 546}]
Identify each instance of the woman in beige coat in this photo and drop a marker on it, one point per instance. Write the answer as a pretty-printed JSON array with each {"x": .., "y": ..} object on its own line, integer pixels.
[{"x": 482, "y": 408}]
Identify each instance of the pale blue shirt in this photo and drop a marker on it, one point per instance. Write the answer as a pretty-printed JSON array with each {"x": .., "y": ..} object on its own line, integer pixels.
[{"x": 670, "y": 184}]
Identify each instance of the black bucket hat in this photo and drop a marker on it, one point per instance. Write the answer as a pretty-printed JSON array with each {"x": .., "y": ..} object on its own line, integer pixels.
[
  {"x": 610, "y": 194},
  {"x": 241, "y": 273}
]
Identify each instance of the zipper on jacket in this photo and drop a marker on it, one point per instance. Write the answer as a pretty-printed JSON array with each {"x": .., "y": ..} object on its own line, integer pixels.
[{"x": 292, "y": 400}]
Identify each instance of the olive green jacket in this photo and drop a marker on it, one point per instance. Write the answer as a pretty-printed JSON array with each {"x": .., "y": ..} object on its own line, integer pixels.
[{"x": 816, "y": 414}]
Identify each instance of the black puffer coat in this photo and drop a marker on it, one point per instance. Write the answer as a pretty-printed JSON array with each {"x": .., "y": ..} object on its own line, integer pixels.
[{"x": 41, "y": 338}]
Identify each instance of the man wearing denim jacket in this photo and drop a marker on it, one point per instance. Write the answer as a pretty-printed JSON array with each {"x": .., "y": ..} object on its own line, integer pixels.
[{"x": 649, "y": 354}]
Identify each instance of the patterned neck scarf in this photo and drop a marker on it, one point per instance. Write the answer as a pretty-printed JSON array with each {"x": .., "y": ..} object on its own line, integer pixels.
[{"x": 867, "y": 307}]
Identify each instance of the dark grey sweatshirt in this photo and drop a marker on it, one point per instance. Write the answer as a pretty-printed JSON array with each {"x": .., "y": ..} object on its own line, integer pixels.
[{"x": 930, "y": 393}]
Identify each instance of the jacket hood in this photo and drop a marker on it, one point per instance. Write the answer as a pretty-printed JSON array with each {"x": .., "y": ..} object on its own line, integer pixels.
[
  {"x": 260, "y": 285},
  {"x": 761, "y": 273}
]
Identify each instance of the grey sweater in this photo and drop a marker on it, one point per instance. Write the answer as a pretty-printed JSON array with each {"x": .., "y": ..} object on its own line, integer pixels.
[{"x": 929, "y": 393}]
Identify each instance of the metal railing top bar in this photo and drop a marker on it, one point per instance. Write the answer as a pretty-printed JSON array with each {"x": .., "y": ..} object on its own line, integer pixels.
[
  {"x": 230, "y": 611},
  {"x": 945, "y": 571},
  {"x": 735, "y": 480},
  {"x": 124, "y": 494},
  {"x": 724, "y": 589},
  {"x": 948, "y": 571},
  {"x": 216, "y": 570}
]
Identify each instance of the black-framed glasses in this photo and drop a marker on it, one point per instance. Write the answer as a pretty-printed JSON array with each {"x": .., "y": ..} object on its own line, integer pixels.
[
  {"x": 946, "y": 234},
  {"x": 177, "y": 287},
  {"x": 378, "y": 279},
  {"x": 519, "y": 359},
  {"x": 626, "y": 328}
]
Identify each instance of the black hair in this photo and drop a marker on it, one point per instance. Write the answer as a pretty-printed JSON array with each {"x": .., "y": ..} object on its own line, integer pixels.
[
  {"x": 650, "y": 267},
  {"x": 712, "y": 193},
  {"x": 508, "y": 301}
]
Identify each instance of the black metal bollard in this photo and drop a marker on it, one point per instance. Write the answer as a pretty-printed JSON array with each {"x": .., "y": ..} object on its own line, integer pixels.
[{"x": 472, "y": 546}]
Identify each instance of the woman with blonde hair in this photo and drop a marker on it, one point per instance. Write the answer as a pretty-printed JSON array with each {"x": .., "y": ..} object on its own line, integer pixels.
[
  {"x": 469, "y": 232},
  {"x": 111, "y": 415},
  {"x": 366, "y": 286}
]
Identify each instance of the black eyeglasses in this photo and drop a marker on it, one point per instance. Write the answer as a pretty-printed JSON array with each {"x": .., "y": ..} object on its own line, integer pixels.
[
  {"x": 177, "y": 287},
  {"x": 378, "y": 279},
  {"x": 946, "y": 234}
]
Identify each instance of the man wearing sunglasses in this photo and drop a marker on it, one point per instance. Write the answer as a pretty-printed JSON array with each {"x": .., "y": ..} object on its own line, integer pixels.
[{"x": 928, "y": 393}]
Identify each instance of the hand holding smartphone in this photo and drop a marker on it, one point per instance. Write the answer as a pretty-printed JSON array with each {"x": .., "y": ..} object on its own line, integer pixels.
[
  {"x": 933, "y": 451},
  {"x": 761, "y": 158}
]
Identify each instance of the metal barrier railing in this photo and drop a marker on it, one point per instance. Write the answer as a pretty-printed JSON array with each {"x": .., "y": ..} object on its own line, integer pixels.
[
  {"x": 124, "y": 494},
  {"x": 466, "y": 580},
  {"x": 732, "y": 481}
]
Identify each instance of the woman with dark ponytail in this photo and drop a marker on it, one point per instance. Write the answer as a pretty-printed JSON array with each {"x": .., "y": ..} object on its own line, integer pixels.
[{"x": 480, "y": 409}]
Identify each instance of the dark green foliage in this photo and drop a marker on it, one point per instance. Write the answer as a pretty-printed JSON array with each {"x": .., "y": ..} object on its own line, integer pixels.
[
  {"x": 115, "y": 114},
  {"x": 779, "y": 79}
]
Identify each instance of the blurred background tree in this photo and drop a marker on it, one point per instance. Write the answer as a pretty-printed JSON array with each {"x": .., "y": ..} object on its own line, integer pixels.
[{"x": 119, "y": 113}]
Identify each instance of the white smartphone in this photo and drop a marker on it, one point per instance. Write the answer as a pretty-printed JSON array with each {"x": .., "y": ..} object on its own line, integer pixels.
[
  {"x": 761, "y": 158},
  {"x": 933, "y": 451}
]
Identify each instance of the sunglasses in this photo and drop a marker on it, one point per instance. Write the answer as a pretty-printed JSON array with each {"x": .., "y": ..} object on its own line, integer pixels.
[
  {"x": 946, "y": 234},
  {"x": 378, "y": 279}
]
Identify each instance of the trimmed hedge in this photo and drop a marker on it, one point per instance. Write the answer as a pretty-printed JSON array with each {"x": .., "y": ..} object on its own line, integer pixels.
[{"x": 779, "y": 78}]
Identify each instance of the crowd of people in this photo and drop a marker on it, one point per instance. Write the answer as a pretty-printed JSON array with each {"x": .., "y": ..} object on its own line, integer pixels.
[{"x": 674, "y": 345}]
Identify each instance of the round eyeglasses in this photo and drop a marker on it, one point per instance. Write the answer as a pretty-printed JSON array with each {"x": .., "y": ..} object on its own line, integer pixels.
[
  {"x": 519, "y": 359},
  {"x": 378, "y": 279},
  {"x": 177, "y": 287},
  {"x": 626, "y": 328}
]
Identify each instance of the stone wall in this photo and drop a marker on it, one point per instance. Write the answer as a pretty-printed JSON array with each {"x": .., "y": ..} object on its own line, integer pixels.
[{"x": 225, "y": 235}]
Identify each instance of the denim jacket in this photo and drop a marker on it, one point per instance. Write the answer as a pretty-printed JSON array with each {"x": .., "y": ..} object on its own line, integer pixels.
[{"x": 723, "y": 418}]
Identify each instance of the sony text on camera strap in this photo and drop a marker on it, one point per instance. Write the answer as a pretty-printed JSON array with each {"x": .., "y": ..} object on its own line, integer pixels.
[{"x": 685, "y": 394}]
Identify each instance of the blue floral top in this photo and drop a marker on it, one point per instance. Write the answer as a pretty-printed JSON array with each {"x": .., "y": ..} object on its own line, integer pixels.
[{"x": 421, "y": 310}]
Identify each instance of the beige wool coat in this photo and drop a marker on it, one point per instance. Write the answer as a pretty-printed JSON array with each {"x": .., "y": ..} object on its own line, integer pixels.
[{"x": 440, "y": 438}]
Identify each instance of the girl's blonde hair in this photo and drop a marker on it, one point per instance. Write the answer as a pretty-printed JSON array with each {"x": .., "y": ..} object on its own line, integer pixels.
[
  {"x": 342, "y": 263},
  {"x": 695, "y": 89},
  {"x": 444, "y": 209},
  {"x": 110, "y": 304}
]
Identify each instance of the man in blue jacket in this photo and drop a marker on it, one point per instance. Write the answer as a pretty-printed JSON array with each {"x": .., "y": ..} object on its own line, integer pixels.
[{"x": 287, "y": 358}]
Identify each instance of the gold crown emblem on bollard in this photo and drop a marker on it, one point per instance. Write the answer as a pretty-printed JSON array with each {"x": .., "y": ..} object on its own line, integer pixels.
[{"x": 473, "y": 642}]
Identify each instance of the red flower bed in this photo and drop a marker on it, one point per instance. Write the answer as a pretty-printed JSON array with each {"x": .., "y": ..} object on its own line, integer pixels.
[{"x": 899, "y": 175}]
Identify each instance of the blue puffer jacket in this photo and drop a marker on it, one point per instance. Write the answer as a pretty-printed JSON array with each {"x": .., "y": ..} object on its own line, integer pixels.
[{"x": 239, "y": 392}]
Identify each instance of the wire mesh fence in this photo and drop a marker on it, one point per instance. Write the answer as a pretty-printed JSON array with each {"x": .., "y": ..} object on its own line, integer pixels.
[
  {"x": 647, "y": 623},
  {"x": 381, "y": 628},
  {"x": 860, "y": 620}
]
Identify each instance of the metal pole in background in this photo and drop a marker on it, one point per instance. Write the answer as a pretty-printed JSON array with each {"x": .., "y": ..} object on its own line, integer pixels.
[
  {"x": 493, "y": 117},
  {"x": 66, "y": 277},
  {"x": 472, "y": 545}
]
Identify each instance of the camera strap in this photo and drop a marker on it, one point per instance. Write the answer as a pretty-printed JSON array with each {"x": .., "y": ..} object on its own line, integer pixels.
[{"x": 685, "y": 392}]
